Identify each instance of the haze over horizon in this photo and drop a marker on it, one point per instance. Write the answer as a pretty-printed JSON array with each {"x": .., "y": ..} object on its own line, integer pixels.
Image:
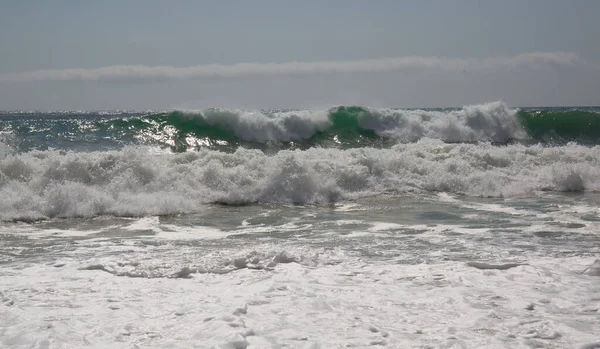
[{"x": 68, "y": 55}]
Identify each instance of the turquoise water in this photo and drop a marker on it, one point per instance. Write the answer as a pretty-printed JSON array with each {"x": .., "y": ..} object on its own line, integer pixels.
[{"x": 341, "y": 127}]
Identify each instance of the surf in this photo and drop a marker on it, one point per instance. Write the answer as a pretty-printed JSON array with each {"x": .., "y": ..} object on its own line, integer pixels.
[
  {"x": 341, "y": 127},
  {"x": 136, "y": 181}
]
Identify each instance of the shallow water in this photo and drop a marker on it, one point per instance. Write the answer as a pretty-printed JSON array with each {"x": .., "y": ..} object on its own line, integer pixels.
[{"x": 436, "y": 270}]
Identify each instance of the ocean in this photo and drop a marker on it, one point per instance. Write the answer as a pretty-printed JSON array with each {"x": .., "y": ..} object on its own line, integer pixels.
[{"x": 348, "y": 227}]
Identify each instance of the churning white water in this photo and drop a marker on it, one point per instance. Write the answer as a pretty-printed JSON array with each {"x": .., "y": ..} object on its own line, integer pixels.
[{"x": 415, "y": 271}]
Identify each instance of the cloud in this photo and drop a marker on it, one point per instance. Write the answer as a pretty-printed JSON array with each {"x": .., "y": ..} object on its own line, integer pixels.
[{"x": 153, "y": 73}]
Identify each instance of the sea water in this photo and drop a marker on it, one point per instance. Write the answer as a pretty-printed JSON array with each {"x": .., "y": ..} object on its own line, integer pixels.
[{"x": 350, "y": 227}]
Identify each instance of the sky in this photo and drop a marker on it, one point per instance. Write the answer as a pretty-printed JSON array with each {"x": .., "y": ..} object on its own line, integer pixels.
[{"x": 150, "y": 54}]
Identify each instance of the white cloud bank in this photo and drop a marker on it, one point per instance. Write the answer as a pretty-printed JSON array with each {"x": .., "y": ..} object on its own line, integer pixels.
[{"x": 153, "y": 73}]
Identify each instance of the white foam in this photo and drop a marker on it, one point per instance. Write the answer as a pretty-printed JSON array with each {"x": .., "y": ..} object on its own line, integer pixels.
[
  {"x": 486, "y": 122},
  {"x": 364, "y": 303},
  {"x": 258, "y": 127},
  {"x": 133, "y": 182},
  {"x": 173, "y": 232},
  {"x": 384, "y": 226}
]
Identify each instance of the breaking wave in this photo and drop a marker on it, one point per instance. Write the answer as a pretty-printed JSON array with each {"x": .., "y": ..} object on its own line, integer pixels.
[
  {"x": 138, "y": 164},
  {"x": 135, "y": 182},
  {"x": 340, "y": 127}
]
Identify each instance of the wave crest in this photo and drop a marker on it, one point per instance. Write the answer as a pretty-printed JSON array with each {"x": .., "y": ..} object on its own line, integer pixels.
[
  {"x": 340, "y": 127},
  {"x": 494, "y": 122}
]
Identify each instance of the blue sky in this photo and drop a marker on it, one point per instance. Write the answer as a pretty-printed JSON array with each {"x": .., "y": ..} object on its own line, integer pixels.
[{"x": 191, "y": 54}]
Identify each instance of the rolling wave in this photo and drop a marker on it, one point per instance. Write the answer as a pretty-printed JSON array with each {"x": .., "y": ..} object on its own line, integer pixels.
[
  {"x": 340, "y": 127},
  {"x": 344, "y": 126}
]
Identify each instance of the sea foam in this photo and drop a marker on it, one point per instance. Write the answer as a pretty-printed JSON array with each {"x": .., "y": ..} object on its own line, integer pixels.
[
  {"x": 486, "y": 122},
  {"x": 137, "y": 182}
]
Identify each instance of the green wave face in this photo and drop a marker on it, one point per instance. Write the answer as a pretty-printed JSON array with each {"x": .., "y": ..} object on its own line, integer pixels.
[
  {"x": 346, "y": 129},
  {"x": 185, "y": 131},
  {"x": 339, "y": 127},
  {"x": 559, "y": 127},
  {"x": 355, "y": 126},
  {"x": 176, "y": 130}
]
